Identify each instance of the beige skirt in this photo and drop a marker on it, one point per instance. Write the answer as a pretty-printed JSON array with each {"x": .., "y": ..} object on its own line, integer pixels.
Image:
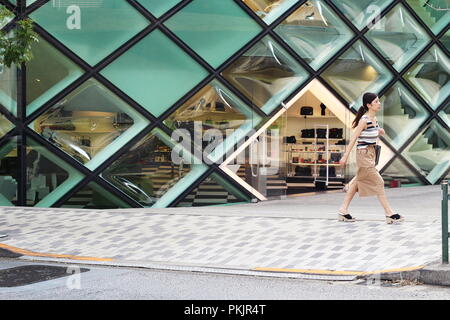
[{"x": 368, "y": 180}]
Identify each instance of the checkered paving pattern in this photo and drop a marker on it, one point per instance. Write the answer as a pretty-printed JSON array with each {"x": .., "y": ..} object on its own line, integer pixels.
[{"x": 223, "y": 241}]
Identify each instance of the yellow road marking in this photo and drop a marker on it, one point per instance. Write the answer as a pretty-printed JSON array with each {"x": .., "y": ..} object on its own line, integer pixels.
[{"x": 50, "y": 255}]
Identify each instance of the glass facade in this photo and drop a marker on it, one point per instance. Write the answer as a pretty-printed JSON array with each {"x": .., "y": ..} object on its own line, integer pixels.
[{"x": 176, "y": 103}]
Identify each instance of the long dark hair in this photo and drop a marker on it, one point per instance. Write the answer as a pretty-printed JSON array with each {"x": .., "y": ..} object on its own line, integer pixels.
[{"x": 368, "y": 97}]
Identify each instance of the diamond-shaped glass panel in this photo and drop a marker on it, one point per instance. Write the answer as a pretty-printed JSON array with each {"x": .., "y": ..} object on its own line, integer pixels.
[
  {"x": 445, "y": 114},
  {"x": 214, "y": 190},
  {"x": 158, "y": 7},
  {"x": 398, "y": 171},
  {"x": 9, "y": 173},
  {"x": 315, "y": 32},
  {"x": 215, "y": 29},
  {"x": 48, "y": 73},
  {"x": 430, "y": 76},
  {"x": 266, "y": 74},
  {"x": 90, "y": 124},
  {"x": 155, "y": 170},
  {"x": 155, "y": 72},
  {"x": 445, "y": 39},
  {"x": 91, "y": 29},
  {"x": 213, "y": 115},
  {"x": 398, "y": 37},
  {"x": 357, "y": 71},
  {"x": 269, "y": 10},
  {"x": 361, "y": 12},
  {"x": 48, "y": 177},
  {"x": 8, "y": 17},
  {"x": 401, "y": 114},
  {"x": 8, "y": 88},
  {"x": 94, "y": 196},
  {"x": 5, "y": 125},
  {"x": 430, "y": 152},
  {"x": 435, "y": 13}
]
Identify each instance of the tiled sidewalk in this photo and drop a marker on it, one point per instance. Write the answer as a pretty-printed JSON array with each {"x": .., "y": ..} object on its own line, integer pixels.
[{"x": 234, "y": 242}]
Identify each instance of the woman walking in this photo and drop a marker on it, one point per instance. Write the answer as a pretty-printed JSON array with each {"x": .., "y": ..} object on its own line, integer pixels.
[{"x": 368, "y": 182}]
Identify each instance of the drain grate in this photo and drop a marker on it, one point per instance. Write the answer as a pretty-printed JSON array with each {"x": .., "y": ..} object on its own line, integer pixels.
[{"x": 24, "y": 275}]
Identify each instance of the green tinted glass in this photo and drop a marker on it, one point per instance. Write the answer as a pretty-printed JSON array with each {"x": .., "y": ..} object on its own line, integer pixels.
[
  {"x": 155, "y": 72},
  {"x": 9, "y": 173},
  {"x": 217, "y": 115},
  {"x": 155, "y": 170},
  {"x": 430, "y": 152},
  {"x": 215, "y": 29},
  {"x": 266, "y": 74},
  {"x": 357, "y": 71},
  {"x": 269, "y": 10},
  {"x": 214, "y": 190},
  {"x": 445, "y": 39},
  {"x": 361, "y": 12},
  {"x": 445, "y": 114},
  {"x": 430, "y": 75},
  {"x": 48, "y": 177},
  {"x": 94, "y": 197},
  {"x": 8, "y": 88},
  {"x": 158, "y": 7},
  {"x": 315, "y": 32},
  {"x": 5, "y": 125},
  {"x": 398, "y": 171},
  {"x": 401, "y": 114},
  {"x": 398, "y": 37},
  {"x": 91, "y": 30},
  {"x": 48, "y": 73},
  {"x": 435, "y": 13}
]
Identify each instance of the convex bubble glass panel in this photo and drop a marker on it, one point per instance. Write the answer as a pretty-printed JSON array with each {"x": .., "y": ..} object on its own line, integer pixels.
[
  {"x": 361, "y": 12},
  {"x": 91, "y": 29},
  {"x": 214, "y": 190},
  {"x": 397, "y": 170},
  {"x": 214, "y": 120},
  {"x": 48, "y": 177},
  {"x": 158, "y": 7},
  {"x": 445, "y": 39},
  {"x": 5, "y": 125},
  {"x": 155, "y": 170},
  {"x": 215, "y": 29},
  {"x": 155, "y": 72},
  {"x": 48, "y": 73},
  {"x": 357, "y": 71},
  {"x": 269, "y": 10},
  {"x": 266, "y": 74},
  {"x": 90, "y": 124},
  {"x": 9, "y": 173},
  {"x": 430, "y": 76},
  {"x": 8, "y": 88},
  {"x": 445, "y": 114},
  {"x": 401, "y": 114},
  {"x": 315, "y": 32},
  {"x": 398, "y": 36},
  {"x": 430, "y": 152},
  {"x": 435, "y": 13}
]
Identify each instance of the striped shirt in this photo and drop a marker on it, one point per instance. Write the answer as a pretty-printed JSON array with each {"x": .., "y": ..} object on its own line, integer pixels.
[{"x": 369, "y": 135}]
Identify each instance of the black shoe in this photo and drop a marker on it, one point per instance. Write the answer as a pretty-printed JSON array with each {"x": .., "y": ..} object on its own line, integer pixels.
[
  {"x": 395, "y": 218},
  {"x": 345, "y": 218}
]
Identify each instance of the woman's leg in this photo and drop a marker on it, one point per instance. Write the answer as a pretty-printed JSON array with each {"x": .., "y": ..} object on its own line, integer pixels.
[
  {"x": 384, "y": 202},
  {"x": 348, "y": 198}
]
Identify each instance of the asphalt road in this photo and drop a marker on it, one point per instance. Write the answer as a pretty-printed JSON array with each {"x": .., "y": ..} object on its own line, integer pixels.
[{"x": 113, "y": 283}]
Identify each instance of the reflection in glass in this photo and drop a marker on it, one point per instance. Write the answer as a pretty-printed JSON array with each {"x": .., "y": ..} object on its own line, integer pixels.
[
  {"x": 315, "y": 32},
  {"x": 158, "y": 7},
  {"x": 430, "y": 76},
  {"x": 445, "y": 39},
  {"x": 155, "y": 72},
  {"x": 8, "y": 88},
  {"x": 48, "y": 177},
  {"x": 269, "y": 10},
  {"x": 5, "y": 125},
  {"x": 266, "y": 74},
  {"x": 94, "y": 30},
  {"x": 215, "y": 29},
  {"x": 398, "y": 171},
  {"x": 94, "y": 197},
  {"x": 90, "y": 124},
  {"x": 435, "y": 13},
  {"x": 48, "y": 73},
  {"x": 445, "y": 114},
  {"x": 214, "y": 191},
  {"x": 154, "y": 171},
  {"x": 214, "y": 113},
  {"x": 361, "y": 12},
  {"x": 357, "y": 71},
  {"x": 9, "y": 174},
  {"x": 430, "y": 152},
  {"x": 398, "y": 37},
  {"x": 401, "y": 114}
]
